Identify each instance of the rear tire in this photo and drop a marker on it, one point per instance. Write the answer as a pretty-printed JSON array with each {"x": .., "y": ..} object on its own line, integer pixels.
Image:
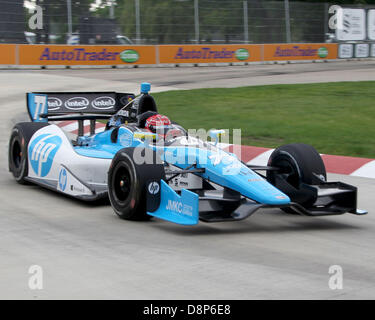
[
  {"x": 18, "y": 143},
  {"x": 127, "y": 184},
  {"x": 298, "y": 163}
]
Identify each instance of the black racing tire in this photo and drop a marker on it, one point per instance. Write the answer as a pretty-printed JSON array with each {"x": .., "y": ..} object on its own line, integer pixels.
[
  {"x": 298, "y": 163},
  {"x": 18, "y": 144},
  {"x": 127, "y": 184}
]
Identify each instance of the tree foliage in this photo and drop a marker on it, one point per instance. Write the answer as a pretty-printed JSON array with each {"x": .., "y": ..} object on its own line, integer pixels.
[{"x": 172, "y": 21}]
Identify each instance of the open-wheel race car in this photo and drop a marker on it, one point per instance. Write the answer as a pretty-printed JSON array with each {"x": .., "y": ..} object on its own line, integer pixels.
[{"x": 149, "y": 166}]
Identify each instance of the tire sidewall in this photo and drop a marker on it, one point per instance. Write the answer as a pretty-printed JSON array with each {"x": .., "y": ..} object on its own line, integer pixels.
[
  {"x": 141, "y": 175},
  {"x": 124, "y": 208},
  {"x": 305, "y": 159},
  {"x": 21, "y": 172},
  {"x": 22, "y": 133}
]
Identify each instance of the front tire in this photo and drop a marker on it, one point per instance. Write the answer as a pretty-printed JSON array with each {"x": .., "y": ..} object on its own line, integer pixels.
[
  {"x": 18, "y": 143},
  {"x": 127, "y": 184},
  {"x": 298, "y": 164}
]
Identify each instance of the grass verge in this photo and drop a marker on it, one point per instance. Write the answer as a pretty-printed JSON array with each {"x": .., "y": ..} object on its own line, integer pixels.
[{"x": 336, "y": 118}]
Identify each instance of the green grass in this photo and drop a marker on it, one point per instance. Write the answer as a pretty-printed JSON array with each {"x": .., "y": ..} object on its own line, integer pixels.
[{"x": 336, "y": 118}]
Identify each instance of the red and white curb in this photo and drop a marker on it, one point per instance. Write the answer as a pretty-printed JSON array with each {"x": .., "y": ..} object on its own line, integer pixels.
[
  {"x": 360, "y": 167},
  {"x": 72, "y": 126}
]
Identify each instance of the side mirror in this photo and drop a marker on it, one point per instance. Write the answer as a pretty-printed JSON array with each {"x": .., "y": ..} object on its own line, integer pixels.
[{"x": 216, "y": 134}]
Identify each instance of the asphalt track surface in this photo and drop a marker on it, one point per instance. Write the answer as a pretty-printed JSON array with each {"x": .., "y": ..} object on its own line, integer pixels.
[{"x": 87, "y": 252}]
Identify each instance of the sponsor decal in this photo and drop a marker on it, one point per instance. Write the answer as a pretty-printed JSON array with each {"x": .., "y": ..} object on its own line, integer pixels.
[
  {"x": 54, "y": 103},
  {"x": 129, "y": 56},
  {"x": 350, "y": 24},
  {"x": 280, "y": 197},
  {"x": 63, "y": 178},
  {"x": 242, "y": 54},
  {"x": 345, "y": 50},
  {"x": 244, "y": 171},
  {"x": 153, "y": 187},
  {"x": 42, "y": 151},
  {"x": 103, "y": 103},
  {"x": 77, "y": 188},
  {"x": 37, "y": 105},
  {"x": 322, "y": 52},
  {"x": 77, "y": 54},
  {"x": 179, "y": 207},
  {"x": 77, "y": 103},
  {"x": 206, "y": 53},
  {"x": 124, "y": 100},
  {"x": 362, "y": 50},
  {"x": 126, "y": 139},
  {"x": 295, "y": 51},
  {"x": 123, "y": 113}
]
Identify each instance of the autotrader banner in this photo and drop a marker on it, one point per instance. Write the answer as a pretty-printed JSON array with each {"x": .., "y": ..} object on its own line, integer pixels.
[
  {"x": 300, "y": 51},
  {"x": 7, "y": 54},
  {"x": 92, "y": 55},
  {"x": 86, "y": 55},
  {"x": 209, "y": 53}
]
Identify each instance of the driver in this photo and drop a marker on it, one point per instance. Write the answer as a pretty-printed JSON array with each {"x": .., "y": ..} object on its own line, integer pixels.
[{"x": 162, "y": 126}]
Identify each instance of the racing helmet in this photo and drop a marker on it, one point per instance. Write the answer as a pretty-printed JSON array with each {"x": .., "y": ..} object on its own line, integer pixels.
[
  {"x": 158, "y": 123},
  {"x": 162, "y": 126}
]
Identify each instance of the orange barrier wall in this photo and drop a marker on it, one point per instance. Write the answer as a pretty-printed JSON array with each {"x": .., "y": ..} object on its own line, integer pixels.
[
  {"x": 209, "y": 53},
  {"x": 300, "y": 51},
  {"x": 174, "y": 54},
  {"x": 85, "y": 55},
  {"x": 7, "y": 54}
]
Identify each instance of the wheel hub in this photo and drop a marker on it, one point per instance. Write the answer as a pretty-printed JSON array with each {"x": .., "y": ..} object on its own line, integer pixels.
[{"x": 122, "y": 184}]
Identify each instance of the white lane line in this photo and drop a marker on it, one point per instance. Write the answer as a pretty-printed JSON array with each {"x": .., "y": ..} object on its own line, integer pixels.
[
  {"x": 262, "y": 159},
  {"x": 367, "y": 170}
]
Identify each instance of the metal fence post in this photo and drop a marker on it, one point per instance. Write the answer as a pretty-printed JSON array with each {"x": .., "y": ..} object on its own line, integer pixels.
[
  {"x": 326, "y": 7},
  {"x": 137, "y": 22},
  {"x": 112, "y": 9},
  {"x": 245, "y": 22},
  {"x": 287, "y": 22},
  {"x": 196, "y": 20},
  {"x": 70, "y": 28}
]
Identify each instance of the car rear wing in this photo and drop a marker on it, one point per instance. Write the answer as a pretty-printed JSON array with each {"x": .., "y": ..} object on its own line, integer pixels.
[{"x": 57, "y": 106}]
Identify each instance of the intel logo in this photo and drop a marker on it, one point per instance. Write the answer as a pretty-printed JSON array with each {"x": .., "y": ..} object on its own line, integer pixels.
[
  {"x": 77, "y": 103},
  {"x": 103, "y": 103},
  {"x": 54, "y": 103}
]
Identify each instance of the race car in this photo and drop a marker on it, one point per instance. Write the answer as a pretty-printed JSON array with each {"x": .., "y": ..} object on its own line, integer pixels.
[{"x": 149, "y": 166}]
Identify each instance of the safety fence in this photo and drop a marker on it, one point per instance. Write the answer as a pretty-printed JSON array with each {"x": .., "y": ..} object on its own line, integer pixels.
[{"x": 93, "y": 55}]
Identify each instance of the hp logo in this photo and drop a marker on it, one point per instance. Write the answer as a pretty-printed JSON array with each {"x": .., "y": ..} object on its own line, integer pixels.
[
  {"x": 42, "y": 151},
  {"x": 153, "y": 187},
  {"x": 63, "y": 178}
]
